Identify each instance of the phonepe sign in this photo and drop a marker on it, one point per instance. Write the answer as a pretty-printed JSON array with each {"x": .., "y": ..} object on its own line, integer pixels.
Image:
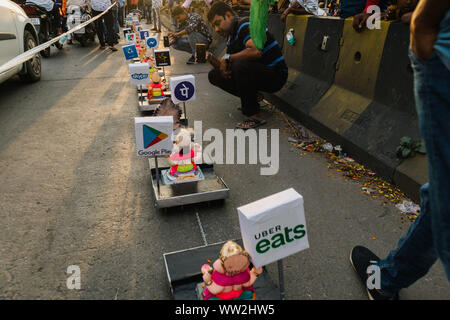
[
  {"x": 183, "y": 88},
  {"x": 130, "y": 52},
  {"x": 154, "y": 136},
  {"x": 144, "y": 34},
  {"x": 151, "y": 42},
  {"x": 130, "y": 38},
  {"x": 274, "y": 227},
  {"x": 139, "y": 73}
]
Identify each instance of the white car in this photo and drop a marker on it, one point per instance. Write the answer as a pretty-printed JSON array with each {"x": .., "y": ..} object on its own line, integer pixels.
[{"x": 17, "y": 35}]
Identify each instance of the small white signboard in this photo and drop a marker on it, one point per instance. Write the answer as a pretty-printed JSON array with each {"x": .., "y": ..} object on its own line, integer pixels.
[
  {"x": 183, "y": 88},
  {"x": 274, "y": 227},
  {"x": 130, "y": 38},
  {"x": 154, "y": 136},
  {"x": 151, "y": 42},
  {"x": 139, "y": 73}
]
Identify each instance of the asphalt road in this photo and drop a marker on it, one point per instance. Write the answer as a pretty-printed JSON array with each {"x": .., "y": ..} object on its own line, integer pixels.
[{"x": 73, "y": 192}]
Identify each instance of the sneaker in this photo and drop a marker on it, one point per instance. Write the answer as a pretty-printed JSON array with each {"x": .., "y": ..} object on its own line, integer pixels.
[
  {"x": 191, "y": 60},
  {"x": 102, "y": 46},
  {"x": 113, "y": 48},
  {"x": 361, "y": 258}
]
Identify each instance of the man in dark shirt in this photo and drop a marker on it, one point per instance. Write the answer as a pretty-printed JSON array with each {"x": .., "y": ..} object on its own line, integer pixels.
[
  {"x": 244, "y": 70},
  {"x": 193, "y": 26}
]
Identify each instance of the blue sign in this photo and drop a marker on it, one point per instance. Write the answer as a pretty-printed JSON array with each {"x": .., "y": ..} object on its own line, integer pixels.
[
  {"x": 151, "y": 42},
  {"x": 130, "y": 52},
  {"x": 144, "y": 34},
  {"x": 184, "y": 91}
]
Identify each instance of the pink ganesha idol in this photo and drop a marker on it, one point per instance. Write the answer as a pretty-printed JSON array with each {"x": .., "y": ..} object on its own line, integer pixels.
[
  {"x": 230, "y": 277},
  {"x": 184, "y": 158}
]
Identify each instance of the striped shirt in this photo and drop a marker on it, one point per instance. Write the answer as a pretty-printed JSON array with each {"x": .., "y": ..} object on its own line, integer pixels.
[{"x": 271, "y": 53}]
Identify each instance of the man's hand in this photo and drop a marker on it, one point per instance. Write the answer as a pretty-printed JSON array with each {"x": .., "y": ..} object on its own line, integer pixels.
[
  {"x": 212, "y": 60},
  {"x": 425, "y": 23},
  {"x": 224, "y": 70},
  {"x": 359, "y": 21},
  {"x": 284, "y": 15},
  {"x": 173, "y": 35}
]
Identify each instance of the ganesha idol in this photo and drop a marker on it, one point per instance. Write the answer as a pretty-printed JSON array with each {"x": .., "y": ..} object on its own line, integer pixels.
[
  {"x": 230, "y": 277},
  {"x": 184, "y": 158}
]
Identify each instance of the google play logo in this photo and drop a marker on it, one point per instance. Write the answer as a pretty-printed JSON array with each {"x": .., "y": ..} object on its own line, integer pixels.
[{"x": 152, "y": 136}]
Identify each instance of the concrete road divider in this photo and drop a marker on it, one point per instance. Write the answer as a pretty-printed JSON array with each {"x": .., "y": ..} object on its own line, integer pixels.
[{"x": 355, "y": 89}]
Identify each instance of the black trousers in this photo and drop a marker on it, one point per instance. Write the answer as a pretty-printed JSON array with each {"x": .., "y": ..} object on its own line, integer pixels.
[
  {"x": 109, "y": 22},
  {"x": 247, "y": 78}
]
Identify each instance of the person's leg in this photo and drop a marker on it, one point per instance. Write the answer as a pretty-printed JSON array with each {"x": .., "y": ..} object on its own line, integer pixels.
[
  {"x": 251, "y": 77},
  {"x": 228, "y": 85},
  {"x": 108, "y": 17},
  {"x": 194, "y": 38},
  {"x": 115, "y": 12},
  {"x": 428, "y": 237},
  {"x": 99, "y": 28},
  {"x": 182, "y": 44},
  {"x": 415, "y": 253},
  {"x": 120, "y": 16},
  {"x": 431, "y": 83},
  {"x": 154, "y": 18},
  {"x": 158, "y": 14}
]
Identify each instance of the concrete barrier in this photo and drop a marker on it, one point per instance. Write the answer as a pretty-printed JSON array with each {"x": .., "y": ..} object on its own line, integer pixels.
[{"x": 356, "y": 90}]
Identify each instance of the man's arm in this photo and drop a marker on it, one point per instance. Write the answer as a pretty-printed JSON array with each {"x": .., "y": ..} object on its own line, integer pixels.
[
  {"x": 249, "y": 53},
  {"x": 178, "y": 34},
  {"x": 425, "y": 26}
]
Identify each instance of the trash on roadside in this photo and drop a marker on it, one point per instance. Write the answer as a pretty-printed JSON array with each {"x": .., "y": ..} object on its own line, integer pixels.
[
  {"x": 327, "y": 146},
  {"x": 408, "y": 207}
]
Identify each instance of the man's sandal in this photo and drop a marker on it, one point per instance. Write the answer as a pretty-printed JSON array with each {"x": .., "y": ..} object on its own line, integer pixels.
[{"x": 251, "y": 123}]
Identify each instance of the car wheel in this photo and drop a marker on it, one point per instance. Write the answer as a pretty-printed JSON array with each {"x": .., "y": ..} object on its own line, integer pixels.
[{"x": 33, "y": 65}]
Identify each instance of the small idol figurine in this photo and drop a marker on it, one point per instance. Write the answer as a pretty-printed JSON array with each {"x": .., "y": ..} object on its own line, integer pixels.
[
  {"x": 230, "y": 277},
  {"x": 156, "y": 87},
  {"x": 184, "y": 158}
]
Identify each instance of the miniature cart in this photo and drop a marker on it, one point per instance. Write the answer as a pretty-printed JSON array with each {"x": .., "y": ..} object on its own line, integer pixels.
[
  {"x": 184, "y": 275},
  {"x": 210, "y": 188}
]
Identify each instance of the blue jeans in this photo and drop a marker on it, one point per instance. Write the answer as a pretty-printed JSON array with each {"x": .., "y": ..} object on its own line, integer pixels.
[
  {"x": 188, "y": 43},
  {"x": 115, "y": 12},
  {"x": 428, "y": 238}
]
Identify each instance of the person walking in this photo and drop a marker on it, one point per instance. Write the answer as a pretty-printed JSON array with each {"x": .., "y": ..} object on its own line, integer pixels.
[
  {"x": 428, "y": 238},
  {"x": 98, "y": 7},
  {"x": 156, "y": 10}
]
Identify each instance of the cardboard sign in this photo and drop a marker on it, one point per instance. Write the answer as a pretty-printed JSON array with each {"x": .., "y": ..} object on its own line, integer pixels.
[
  {"x": 151, "y": 42},
  {"x": 154, "y": 136},
  {"x": 139, "y": 73},
  {"x": 274, "y": 227},
  {"x": 143, "y": 34},
  {"x": 162, "y": 57},
  {"x": 130, "y": 38},
  {"x": 130, "y": 52},
  {"x": 183, "y": 88}
]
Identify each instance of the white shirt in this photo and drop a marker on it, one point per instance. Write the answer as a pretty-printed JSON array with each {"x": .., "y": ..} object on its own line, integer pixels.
[
  {"x": 46, "y": 4},
  {"x": 156, "y": 4},
  {"x": 100, "y": 5},
  {"x": 187, "y": 3},
  {"x": 311, "y": 6}
]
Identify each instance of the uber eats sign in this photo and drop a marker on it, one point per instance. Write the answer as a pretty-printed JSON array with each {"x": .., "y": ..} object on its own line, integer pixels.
[{"x": 274, "y": 227}]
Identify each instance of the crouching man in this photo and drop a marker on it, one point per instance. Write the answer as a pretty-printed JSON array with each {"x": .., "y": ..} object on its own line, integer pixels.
[{"x": 244, "y": 70}]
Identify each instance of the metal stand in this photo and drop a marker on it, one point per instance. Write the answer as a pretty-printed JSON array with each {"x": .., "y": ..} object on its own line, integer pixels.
[
  {"x": 184, "y": 110},
  {"x": 157, "y": 174},
  {"x": 281, "y": 279},
  {"x": 141, "y": 103}
]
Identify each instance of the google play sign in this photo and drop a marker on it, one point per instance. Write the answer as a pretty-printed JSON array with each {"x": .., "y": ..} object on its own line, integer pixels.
[{"x": 153, "y": 136}]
